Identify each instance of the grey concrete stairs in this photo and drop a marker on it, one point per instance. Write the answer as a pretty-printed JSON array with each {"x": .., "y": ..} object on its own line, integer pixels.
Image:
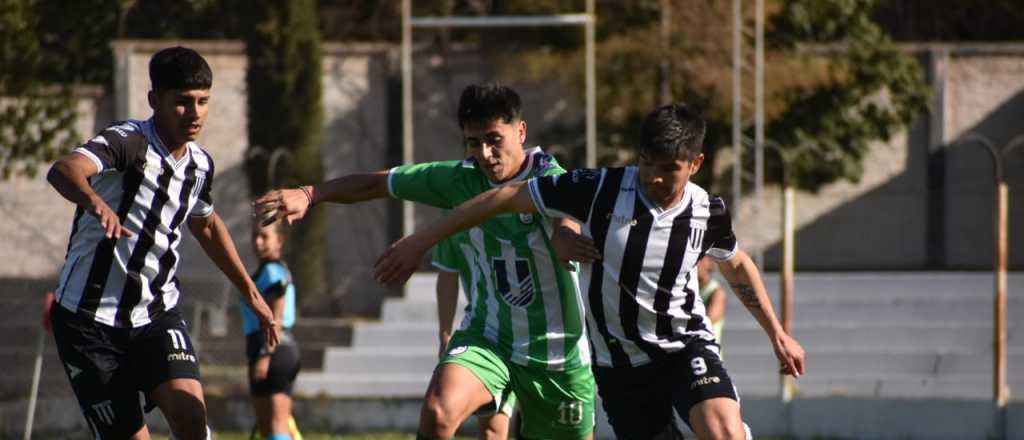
[
  {"x": 392, "y": 358},
  {"x": 878, "y": 335}
]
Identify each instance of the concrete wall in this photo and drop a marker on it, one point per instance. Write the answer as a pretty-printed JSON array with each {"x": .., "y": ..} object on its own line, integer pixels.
[
  {"x": 34, "y": 224},
  {"x": 926, "y": 199}
]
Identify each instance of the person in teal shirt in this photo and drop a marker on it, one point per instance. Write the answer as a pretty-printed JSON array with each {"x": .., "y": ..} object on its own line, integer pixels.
[
  {"x": 524, "y": 330},
  {"x": 272, "y": 370}
]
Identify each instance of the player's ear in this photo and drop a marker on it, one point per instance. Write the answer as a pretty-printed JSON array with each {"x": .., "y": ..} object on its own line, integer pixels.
[
  {"x": 696, "y": 162},
  {"x": 151, "y": 97},
  {"x": 522, "y": 131}
]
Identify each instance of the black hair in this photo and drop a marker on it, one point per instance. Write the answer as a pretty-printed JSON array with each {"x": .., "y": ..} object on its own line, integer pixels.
[
  {"x": 482, "y": 103},
  {"x": 672, "y": 131},
  {"x": 179, "y": 68}
]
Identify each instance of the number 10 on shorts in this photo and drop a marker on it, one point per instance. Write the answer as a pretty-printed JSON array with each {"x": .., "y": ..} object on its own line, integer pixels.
[{"x": 570, "y": 413}]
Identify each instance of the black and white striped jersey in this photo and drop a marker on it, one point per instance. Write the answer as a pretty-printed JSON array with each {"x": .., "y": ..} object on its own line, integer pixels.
[
  {"x": 642, "y": 298},
  {"x": 127, "y": 282}
]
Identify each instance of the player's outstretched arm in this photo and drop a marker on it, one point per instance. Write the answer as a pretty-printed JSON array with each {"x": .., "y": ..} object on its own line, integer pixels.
[
  {"x": 400, "y": 260},
  {"x": 745, "y": 279},
  {"x": 70, "y": 177},
  {"x": 212, "y": 234},
  {"x": 292, "y": 204}
]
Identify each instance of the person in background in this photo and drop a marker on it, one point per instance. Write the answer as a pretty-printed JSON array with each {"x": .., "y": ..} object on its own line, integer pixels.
[
  {"x": 713, "y": 295},
  {"x": 272, "y": 370}
]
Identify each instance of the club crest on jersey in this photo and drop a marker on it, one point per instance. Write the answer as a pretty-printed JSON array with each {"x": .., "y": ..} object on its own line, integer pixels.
[
  {"x": 584, "y": 174},
  {"x": 525, "y": 218},
  {"x": 696, "y": 239},
  {"x": 515, "y": 288}
]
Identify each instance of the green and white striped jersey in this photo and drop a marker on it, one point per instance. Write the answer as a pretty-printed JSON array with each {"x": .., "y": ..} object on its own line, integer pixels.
[
  {"x": 448, "y": 257},
  {"x": 522, "y": 299}
]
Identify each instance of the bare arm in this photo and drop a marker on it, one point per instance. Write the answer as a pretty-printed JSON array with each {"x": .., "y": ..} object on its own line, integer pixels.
[
  {"x": 213, "y": 236},
  {"x": 259, "y": 369},
  {"x": 447, "y": 300},
  {"x": 292, "y": 204},
  {"x": 745, "y": 279},
  {"x": 397, "y": 264},
  {"x": 70, "y": 177}
]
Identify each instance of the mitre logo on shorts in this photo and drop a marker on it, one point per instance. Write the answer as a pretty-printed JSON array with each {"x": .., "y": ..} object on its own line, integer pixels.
[
  {"x": 181, "y": 357},
  {"x": 458, "y": 350},
  {"x": 704, "y": 381}
]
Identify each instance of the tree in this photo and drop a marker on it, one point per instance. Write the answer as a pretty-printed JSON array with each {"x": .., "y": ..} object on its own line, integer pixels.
[
  {"x": 285, "y": 114},
  {"x": 872, "y": 90},
  {"x": 840, "y": 101},
  {"x": 36, "y": 119}
]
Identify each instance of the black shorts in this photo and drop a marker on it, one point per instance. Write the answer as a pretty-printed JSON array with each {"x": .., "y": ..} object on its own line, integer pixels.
[
  {"x": 284, "y": 364},
  {"x": 109, "y": 366},
  {"x": 639, "y": 400}
]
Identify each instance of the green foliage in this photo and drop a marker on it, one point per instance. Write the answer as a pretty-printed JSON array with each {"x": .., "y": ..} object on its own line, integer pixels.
[
  {"x": 285, "y": 114},
  {"x": 36, "y": 120},
  {"x": 75, "y": 40},
  {"x": 873, "y": 91}
]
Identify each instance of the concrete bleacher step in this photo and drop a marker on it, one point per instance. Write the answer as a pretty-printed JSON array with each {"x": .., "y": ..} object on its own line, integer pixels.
[
  {"x": 880, "y": 285},
  {"x": 362, "y": 360},
  {"x": 404, "y": 310},
  {"x": 386, "y": 385},
  {"x": 916, "y": 308},
  {"x": 911, "y": 386},
  {"x": 885, "y": 335},
  {"x": 740, "y": 332}
]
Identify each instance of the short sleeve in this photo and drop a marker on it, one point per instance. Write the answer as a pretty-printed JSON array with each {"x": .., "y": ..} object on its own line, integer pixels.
[
  {"x": 719, "y": 239},
  {"x": 446, "y": 255},
  {"x": 114, "y": 148},
  {"x": 430, "y": 183},
  {"x": 569, "y": 195},
  {"x": 274, "y": 280},
  {"x": 204, "y": 203}
]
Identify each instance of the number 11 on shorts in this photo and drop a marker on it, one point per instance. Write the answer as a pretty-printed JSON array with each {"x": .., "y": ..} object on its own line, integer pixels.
[{"x": 177, "y": 339}]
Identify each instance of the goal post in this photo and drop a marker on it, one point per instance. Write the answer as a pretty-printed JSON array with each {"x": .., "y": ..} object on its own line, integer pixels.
[{"x": 586, "y": 20}]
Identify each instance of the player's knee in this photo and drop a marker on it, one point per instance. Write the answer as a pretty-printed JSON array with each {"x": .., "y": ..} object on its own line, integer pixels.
[
  {"x": 489, "y": 432},
  {"x": 437, "y": 421}
]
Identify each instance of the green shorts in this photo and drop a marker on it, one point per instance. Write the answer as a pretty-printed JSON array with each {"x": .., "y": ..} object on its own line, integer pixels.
[{"x": 553, "y": 404}]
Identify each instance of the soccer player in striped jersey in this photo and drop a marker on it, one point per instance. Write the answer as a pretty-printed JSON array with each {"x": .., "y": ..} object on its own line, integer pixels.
[
  {"x": 524, "y": 330},
  {"x": 654, "y": 348},
  {"x": 116, "y": 326}
]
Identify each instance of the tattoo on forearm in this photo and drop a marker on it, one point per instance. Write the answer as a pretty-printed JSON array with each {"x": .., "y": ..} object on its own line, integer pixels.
[{"x": 747, "y": 295}]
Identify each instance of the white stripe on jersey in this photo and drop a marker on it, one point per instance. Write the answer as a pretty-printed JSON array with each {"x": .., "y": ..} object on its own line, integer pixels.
[
  {"x": 614, "y": 249},
  {"x": 546, "y": 276},
  {"x": 476, "y": 238}
]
